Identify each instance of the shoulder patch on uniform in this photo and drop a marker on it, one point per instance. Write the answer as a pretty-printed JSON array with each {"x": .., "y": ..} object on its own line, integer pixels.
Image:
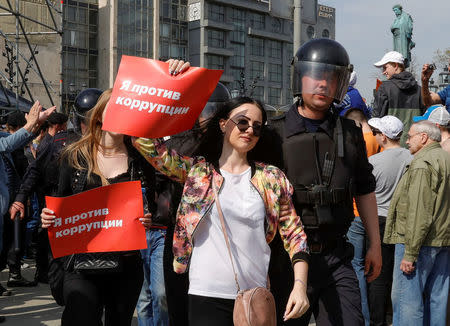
[{"x": 278, "y": 117}]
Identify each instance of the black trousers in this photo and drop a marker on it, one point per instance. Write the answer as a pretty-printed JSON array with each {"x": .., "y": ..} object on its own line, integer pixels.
[
  {"x": 9, "y": 256},
  {"x": 333, "y": 289},
  {"x": 379, "y": 291},
  {"x": 206, "y": 311},
  {"x": 117, "y": 292},
  {"x": 177, "y": 285}
]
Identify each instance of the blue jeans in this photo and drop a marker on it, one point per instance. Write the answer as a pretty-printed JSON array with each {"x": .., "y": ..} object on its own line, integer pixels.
[
  {"x": 33, "y": 222},
  {"x": 152, "y": 304},
  {"x": 357, "y": 237},
  {"x": 420, "y": 298}
]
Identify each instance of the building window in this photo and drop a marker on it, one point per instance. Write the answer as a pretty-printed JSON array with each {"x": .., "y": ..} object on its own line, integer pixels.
[
  {"x": 238, "y": 21},
  {"x": 236, "y": 73},
  {"x": 216, "y": 38},
  {"x": 275, "y": 49},
  {"x": 290, "y": 51},
  {"x": 215, "y": 61},
  {"x": 79, "y": 53},
  {"x": 164, "y": 30},
  {"x": 257, "y": 46},
  {"x": 276, "y": 25},
  {"x": 310, "y": 32},
  {"x": 256, "y": 70},
  {"x": 326, "y": 33},
  {"x": 173, "y": 28},
  {"x": 257, "y": 21},
  {"x": 177, "y": 51},
  {"x": 216, "y": 12},
  {"x": 274, "y": 96},
  {"x": 275, "y": 72},
  {"x": 164, "y": 49},
  {"x": 238, "y": 59},
  {"x": 135, "y": 29},
  {"x": 258, "y": 93}
]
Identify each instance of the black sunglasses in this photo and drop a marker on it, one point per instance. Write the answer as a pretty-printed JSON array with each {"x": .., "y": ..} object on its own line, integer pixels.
[{"x": 243, "y": 124}]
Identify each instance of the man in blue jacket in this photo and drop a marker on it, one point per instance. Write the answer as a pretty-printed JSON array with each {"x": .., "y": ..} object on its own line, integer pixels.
[
  {"x": 9, "y": 143},
  {"x": 430, "y": 98}
]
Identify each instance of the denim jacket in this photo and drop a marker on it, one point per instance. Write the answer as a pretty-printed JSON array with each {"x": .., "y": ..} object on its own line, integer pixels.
[
  {"x": 198, "y": 198},
  {"x": 9, "y": 143}
]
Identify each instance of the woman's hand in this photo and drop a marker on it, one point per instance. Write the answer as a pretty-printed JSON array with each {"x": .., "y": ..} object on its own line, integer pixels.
[
  {"x": 298, "y": 302},
  {"x": 177, "y": 66},
  {"x": 146, "y": 221},
  {"x": 47, "y": 217}
]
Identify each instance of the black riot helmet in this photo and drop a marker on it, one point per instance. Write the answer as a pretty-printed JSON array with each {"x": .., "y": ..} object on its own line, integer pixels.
[
  {"x": 325, "y": 60},
  {"x": 220, "y": 95},
  {"x": 84, "y": 101}
]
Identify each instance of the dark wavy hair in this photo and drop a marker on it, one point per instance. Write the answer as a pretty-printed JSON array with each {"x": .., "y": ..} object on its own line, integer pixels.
[{"x": 211, "y": 142}]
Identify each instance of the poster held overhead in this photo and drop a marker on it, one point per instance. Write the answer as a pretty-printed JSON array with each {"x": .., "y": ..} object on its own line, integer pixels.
[{"x": 147, "y": 101}]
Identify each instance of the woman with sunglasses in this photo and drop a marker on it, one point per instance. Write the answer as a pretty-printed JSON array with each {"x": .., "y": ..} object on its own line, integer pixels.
[{"x": 250, "y": 194}]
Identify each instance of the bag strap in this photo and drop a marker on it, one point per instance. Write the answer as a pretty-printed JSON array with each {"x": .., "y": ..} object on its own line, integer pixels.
[{"x": 224, "y": 230}]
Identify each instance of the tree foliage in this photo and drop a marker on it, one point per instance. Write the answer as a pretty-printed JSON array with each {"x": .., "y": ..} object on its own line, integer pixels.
[{"x": 441, "y": 58}]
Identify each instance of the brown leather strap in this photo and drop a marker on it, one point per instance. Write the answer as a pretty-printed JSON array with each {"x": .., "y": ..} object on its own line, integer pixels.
[{"x": 224, "y": 230}]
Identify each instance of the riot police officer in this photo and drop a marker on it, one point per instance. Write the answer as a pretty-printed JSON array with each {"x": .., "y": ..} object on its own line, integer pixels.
[
  {"x": 84, "y": 101},
  {"x": 324, "y": 157}
]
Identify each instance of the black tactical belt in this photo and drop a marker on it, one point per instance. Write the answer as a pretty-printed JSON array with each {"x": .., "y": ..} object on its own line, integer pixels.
[
  {"x": 322, "y": 247},
  {"x": 333, "y": 196}
]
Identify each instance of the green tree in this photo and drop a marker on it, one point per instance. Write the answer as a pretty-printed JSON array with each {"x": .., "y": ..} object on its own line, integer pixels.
[{"x": 441, "y": 58}]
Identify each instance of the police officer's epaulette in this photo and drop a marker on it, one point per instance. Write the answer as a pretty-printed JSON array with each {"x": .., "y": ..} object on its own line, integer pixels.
[
  {"x": 276, "y": 124},
  {"x": 278, "y": 117},
  {"x": 60, "y": 137}
]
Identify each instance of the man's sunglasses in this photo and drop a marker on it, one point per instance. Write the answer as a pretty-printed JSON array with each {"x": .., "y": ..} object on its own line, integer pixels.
[
  {"x": 376, "y": 131},
  {"x": 243, "y": 124}
]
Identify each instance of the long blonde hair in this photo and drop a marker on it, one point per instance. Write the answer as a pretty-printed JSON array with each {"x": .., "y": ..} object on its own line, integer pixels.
[{"x": 84, "y": 151}]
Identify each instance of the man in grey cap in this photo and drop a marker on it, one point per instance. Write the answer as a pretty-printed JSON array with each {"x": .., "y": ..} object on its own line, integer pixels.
[
  {"x": 439, "y": 115},
  {"x": 388, "y": 167}
]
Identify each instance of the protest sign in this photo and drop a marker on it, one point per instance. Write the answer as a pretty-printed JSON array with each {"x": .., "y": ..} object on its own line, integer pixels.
[
  {"x": 149, "y": 102},
  {"x": 98, "y": 220}
]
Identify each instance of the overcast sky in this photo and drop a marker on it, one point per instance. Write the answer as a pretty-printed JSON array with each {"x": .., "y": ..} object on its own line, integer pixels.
[{"x": 363, "y": 28}]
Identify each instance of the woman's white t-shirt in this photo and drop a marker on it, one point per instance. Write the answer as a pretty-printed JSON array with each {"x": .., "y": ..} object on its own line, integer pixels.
[{"x": 210, "y": 272}]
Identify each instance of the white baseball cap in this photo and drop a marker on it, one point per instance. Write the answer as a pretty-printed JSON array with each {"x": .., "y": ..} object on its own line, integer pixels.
[
  {"x": 389, "y": 125},
  {"x": 435, "y": 114},
  {"x": 392, "y": 56}
]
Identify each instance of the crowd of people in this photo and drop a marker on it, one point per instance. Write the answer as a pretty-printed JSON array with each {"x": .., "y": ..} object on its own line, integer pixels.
[{"x": 341, "y": 210}]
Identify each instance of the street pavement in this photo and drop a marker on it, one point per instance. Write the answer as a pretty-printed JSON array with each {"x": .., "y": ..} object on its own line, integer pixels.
[{"x": 34, "y": 306}]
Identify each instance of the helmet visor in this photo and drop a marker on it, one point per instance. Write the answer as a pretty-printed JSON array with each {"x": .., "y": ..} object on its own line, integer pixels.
[
  {"x": 76, "y": 119},
  {"x": 321, "y": 79}
]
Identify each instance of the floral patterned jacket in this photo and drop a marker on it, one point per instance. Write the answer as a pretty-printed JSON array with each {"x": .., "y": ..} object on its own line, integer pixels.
[{"x": 198, "y": 198}]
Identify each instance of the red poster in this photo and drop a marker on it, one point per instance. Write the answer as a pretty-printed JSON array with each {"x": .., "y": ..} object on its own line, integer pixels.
[
  {"x": 379, "y": 82},
  {"x": 149, "y": 102},
  {"x": 98, "y": 220}
]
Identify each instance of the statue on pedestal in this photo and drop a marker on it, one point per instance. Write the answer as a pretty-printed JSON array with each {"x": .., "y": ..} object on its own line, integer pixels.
[{"x": 401, "y": 29}]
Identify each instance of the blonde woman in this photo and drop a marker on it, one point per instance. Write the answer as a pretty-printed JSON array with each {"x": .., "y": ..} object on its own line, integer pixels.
[{"x": 97, "y": 159}]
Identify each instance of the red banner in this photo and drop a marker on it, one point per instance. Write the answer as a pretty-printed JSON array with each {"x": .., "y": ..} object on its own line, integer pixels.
[
  {"x": 379, "y": 82},
  {"x": 149, "y": 102},
  {"x": 98, "y": 220}
]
